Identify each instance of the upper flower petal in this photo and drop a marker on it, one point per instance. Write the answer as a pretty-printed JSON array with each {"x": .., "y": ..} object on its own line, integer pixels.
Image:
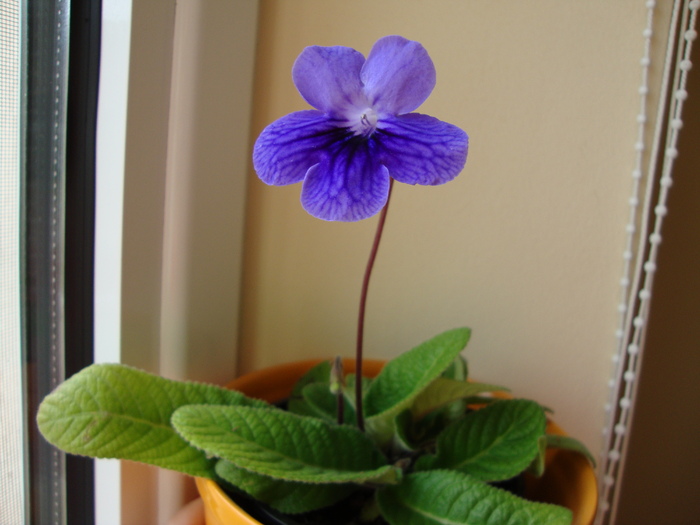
[
  {"x": 398, "y": 75},
  {"x": 349, "y": 184},
  {"x": 288, "y": 147},
  {"x": 419, "y": 149},
  {"x": 329, "y": 78}
]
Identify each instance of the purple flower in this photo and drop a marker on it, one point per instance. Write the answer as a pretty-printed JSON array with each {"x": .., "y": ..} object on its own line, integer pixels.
[{"x": 362, "y": 131}]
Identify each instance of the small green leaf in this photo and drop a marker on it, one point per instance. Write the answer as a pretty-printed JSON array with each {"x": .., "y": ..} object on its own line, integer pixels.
[
  {"x": 537, "y": 466},
  {"x": 323, "y": 404},
  {"x": 569, "y": 443},
  {"x": 443, "y": 391},
  {"x": 290, "y": 497},
  {"x": 405, "y": 377},
  {"x": 349, "y": 388},
  {"x": 115, "y": 411},
  {"x": 492, "y": 444},
  {"x": 446, "y": 497},
  {"x": 458, "y": 369},
  {"x": 403, "y": 439},
  {"x": 318, "y": 374},
  {"x": 286, "y": 446}
]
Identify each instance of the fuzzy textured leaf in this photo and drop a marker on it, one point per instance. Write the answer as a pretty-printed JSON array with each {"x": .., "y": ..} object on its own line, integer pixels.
[
  {"x": 445, "y": 497},
  {"x": 405, "y": 377},
  {"x": 290, "y": 497},
  {"x": 443, "y": 391},
  {"x": 492, "y": 444},
  {"x": 286, "y": 446},
  {"x": 115, "y": 411}
]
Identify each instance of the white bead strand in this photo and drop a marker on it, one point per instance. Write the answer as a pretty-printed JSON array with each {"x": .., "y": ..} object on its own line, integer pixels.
[{"x": 636, "y": 291}]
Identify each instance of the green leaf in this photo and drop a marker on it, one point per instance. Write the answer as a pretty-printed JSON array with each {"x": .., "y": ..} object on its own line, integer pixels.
[
  {"x": 349, "y": 389},
  {"x": 323, "y": 404},
  {"x": 406, "y": 376},
  {"x": 286, "y": 446},
  {"x": 454, "y": 498},
  {"x": 318, "y": 374},
  {"x": 290, "y": 497},
  {"x": 458, "y": 369},
  {"x": 403, "y": 438},
  {"x": 115, "y": 411},
  {"x": 538, "y": 465},
  {"x": 569, "y": 443},
  {"x": 492, "y": 444},
  {"x": 443, "y": 391}
]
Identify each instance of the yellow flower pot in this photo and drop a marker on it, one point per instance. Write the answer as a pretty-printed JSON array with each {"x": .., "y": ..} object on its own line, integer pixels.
[{"x": 569, "y": 480}]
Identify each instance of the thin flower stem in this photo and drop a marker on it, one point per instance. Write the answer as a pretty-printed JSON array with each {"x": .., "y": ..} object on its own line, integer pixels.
[{"x": 363, "y": 304}]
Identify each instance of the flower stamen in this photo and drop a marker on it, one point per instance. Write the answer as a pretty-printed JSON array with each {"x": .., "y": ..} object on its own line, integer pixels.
[{"x": 364, "y": 122}]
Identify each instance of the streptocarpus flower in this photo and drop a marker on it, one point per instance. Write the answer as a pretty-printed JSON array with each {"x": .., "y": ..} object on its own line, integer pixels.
[{"x": 362, "y": 131}]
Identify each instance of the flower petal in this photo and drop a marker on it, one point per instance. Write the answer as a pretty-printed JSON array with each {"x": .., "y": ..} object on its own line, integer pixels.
[
  {"x": 329, "y": 78},
  {"x": 419, "y": 149},
  {"x": 288, "y": 147},
  {"x": 347, "y": 185},
  {"x": 398, "y": 75}
]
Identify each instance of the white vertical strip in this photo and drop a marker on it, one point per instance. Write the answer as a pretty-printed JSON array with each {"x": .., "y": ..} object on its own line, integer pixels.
[
  {"x": 12, "y": 432},
  {"x": 111, "y": 145}
]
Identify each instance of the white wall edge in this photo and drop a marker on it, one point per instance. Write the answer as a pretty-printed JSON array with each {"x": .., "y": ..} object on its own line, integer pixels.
[{"x": 111, "y": 145}]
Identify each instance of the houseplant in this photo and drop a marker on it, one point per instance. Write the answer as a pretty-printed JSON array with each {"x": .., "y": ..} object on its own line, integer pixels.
[{"x": 419, "y": 443}]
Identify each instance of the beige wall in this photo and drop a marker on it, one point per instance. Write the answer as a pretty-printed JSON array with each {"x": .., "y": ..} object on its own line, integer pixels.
[{"x": 524, "y": 247}]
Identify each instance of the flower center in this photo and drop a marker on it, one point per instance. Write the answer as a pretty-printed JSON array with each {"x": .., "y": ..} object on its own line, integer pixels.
[{"x": 363, "y": 122}]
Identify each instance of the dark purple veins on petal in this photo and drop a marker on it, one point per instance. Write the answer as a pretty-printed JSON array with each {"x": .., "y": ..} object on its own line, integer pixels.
[
  {"x": 349, "y": 184},
  {"x": 288, "y": 147},
  {"x": 419, "y": 149}
]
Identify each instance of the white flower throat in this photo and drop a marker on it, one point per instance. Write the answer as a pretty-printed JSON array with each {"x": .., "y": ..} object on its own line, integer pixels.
[{"x": 363, "y": 122}]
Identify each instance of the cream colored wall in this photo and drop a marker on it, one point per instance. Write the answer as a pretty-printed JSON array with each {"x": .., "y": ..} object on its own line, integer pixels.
[{"x": 525, "y": 246}]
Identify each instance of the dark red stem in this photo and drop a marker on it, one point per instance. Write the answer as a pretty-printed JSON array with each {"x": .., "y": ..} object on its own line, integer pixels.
[{"x": 363, "y": 304}]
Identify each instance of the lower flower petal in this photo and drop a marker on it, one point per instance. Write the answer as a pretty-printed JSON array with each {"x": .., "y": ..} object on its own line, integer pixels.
[
  {"x": 349, "y": 184},
  {"x": 419, "y": 149},
  {"x": 288, "y": 147}
]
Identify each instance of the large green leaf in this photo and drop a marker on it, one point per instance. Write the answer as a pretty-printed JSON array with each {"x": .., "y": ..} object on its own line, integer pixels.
[
  {"x": 445, "y": 497},
  {"x": 115, "y": 411},
  {"x": 492, "y": 444},
  {"x": 290, "y": 497},
  {"x": 286, "y": 446},
  {"x": 443, "y": 391},
  {"x": 405, "y": 377}
]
